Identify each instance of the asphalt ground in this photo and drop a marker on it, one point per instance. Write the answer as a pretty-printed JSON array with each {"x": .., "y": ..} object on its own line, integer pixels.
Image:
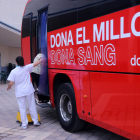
[{"x": 50, "y": 128}]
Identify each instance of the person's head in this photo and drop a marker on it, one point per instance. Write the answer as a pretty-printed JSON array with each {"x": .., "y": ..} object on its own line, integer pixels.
[{"x": 20, "y": 61}]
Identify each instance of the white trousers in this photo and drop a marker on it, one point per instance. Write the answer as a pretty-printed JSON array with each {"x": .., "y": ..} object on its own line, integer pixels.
[{"x": 32, "y": 108}]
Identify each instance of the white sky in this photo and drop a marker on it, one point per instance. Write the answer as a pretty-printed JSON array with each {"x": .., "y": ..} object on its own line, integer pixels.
[{"x": 11, "y": 12}]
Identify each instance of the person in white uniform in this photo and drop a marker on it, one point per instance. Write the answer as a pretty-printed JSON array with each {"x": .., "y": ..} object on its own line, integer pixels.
[{"x": 24, "y": 90}]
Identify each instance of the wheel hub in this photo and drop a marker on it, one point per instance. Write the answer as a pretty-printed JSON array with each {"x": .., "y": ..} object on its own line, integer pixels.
[
  {"x": 69, "y": 106},
  {"x": 65, "y": 107}
]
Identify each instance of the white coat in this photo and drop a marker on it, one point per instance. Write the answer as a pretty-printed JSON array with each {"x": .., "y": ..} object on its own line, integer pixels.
[{"x": 24, "y": 91}]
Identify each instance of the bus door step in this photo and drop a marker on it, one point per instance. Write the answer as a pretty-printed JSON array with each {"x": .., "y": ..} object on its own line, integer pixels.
[{"x": 44, "y": 105}]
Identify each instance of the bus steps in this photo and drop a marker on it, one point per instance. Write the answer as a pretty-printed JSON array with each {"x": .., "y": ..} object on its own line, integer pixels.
[{"x": 44, "y": 105}]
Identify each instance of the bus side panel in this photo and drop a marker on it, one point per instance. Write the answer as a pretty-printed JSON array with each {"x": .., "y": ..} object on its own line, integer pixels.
[
  {"x": 74, "y": 77},
  {"x": 116, "y": 102},
  {"x": 85, "y": 95},
  {"x": 26, "y": 50}
]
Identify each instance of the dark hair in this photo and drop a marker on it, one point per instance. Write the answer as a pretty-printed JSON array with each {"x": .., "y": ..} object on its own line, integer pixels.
[{"x": 20, "y": 61}]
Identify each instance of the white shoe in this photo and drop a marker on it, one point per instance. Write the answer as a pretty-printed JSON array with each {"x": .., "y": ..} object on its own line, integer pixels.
[
  {"x": 24, "y": 127},
  {"x": 37, "y": 124}
]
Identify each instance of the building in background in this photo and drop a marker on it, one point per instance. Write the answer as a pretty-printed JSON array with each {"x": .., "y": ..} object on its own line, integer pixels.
[{"x": 11, "y": 12}]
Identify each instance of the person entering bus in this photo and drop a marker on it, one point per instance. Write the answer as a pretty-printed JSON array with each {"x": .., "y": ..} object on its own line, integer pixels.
[
  {"x": 24, "y": 90},
  {"x": 37, "y": 71}
]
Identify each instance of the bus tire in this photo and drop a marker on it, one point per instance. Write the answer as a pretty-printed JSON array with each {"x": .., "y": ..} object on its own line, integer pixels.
[{"x": 66, "y": 109}]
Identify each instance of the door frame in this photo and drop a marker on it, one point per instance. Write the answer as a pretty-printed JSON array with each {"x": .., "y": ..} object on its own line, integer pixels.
[{"x": 39, "y": 11}]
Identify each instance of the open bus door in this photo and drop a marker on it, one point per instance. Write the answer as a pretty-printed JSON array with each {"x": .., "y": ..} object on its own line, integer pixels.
[{"x": 42, "y": 45}]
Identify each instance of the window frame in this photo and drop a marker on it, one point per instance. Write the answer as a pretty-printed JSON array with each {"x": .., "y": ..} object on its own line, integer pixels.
[{"x": 39, "y": 11}]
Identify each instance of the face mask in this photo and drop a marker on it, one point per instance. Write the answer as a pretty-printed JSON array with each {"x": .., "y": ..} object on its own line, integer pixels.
[{"x": 17, "y": 66}]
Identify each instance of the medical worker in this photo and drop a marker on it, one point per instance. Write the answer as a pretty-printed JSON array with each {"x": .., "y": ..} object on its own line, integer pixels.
[{"x": 24, "y": 90}]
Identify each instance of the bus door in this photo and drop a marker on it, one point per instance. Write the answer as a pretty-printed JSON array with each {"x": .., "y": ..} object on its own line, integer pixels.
[
  {"x": 42, "y": 46},
  {"x": 85, "y": 86}
]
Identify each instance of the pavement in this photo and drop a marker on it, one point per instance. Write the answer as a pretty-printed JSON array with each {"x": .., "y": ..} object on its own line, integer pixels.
[{"x": 50, "y": 128}]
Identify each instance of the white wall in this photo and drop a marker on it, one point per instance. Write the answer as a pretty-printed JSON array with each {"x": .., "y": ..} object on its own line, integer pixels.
[
  {"x": 4, "y": 55},
  {"x": 8, "y": 54},
  {"x": 13, "y": 53}
]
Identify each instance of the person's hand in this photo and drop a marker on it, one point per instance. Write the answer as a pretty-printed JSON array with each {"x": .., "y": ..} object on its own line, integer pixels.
[
  {"x": 36, "y": 63},
  {"x": 9, "y": 87}
]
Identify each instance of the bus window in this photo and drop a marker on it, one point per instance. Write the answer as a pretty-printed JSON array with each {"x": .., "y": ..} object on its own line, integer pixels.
[
  {"x": 58, "y": 6},
  {"x": 26, "y": 25},
  {"x": 26, "y": 38},
  {"x": 34, "y": 46},
  {"x": 62, "y": 13},
  {"x": 96, "y": 8},
  {"x": 137, "y": 2},
  {"x": 85, "y": 7}
]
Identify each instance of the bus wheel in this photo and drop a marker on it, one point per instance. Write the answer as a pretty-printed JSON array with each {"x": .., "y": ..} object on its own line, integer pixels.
[{"x": 66, "y": 109}]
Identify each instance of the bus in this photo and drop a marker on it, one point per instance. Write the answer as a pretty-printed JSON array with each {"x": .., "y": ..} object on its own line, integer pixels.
[{"x": 93, "y": 60}]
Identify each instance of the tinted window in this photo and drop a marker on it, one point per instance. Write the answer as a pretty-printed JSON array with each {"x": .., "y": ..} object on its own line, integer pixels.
[
  {"x": 55, "y": 6},
  {"x": 64, "y": 14},
  {"x": 89, "y": 9},
  {"x": 61, "y": 13},
  {"x": 137, "y": 1},
  {"x": 26, "y": 25},
  {"x": 34, "y": 46}
]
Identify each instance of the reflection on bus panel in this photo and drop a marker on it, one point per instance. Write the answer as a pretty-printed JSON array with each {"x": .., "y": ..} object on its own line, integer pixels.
[{"x": 92, "y": 50}]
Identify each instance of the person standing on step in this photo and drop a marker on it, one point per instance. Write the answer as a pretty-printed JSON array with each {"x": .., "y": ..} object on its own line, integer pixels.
[
  {"x": 24, "y": 90},
  {"x": 35, "y": 74}
]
